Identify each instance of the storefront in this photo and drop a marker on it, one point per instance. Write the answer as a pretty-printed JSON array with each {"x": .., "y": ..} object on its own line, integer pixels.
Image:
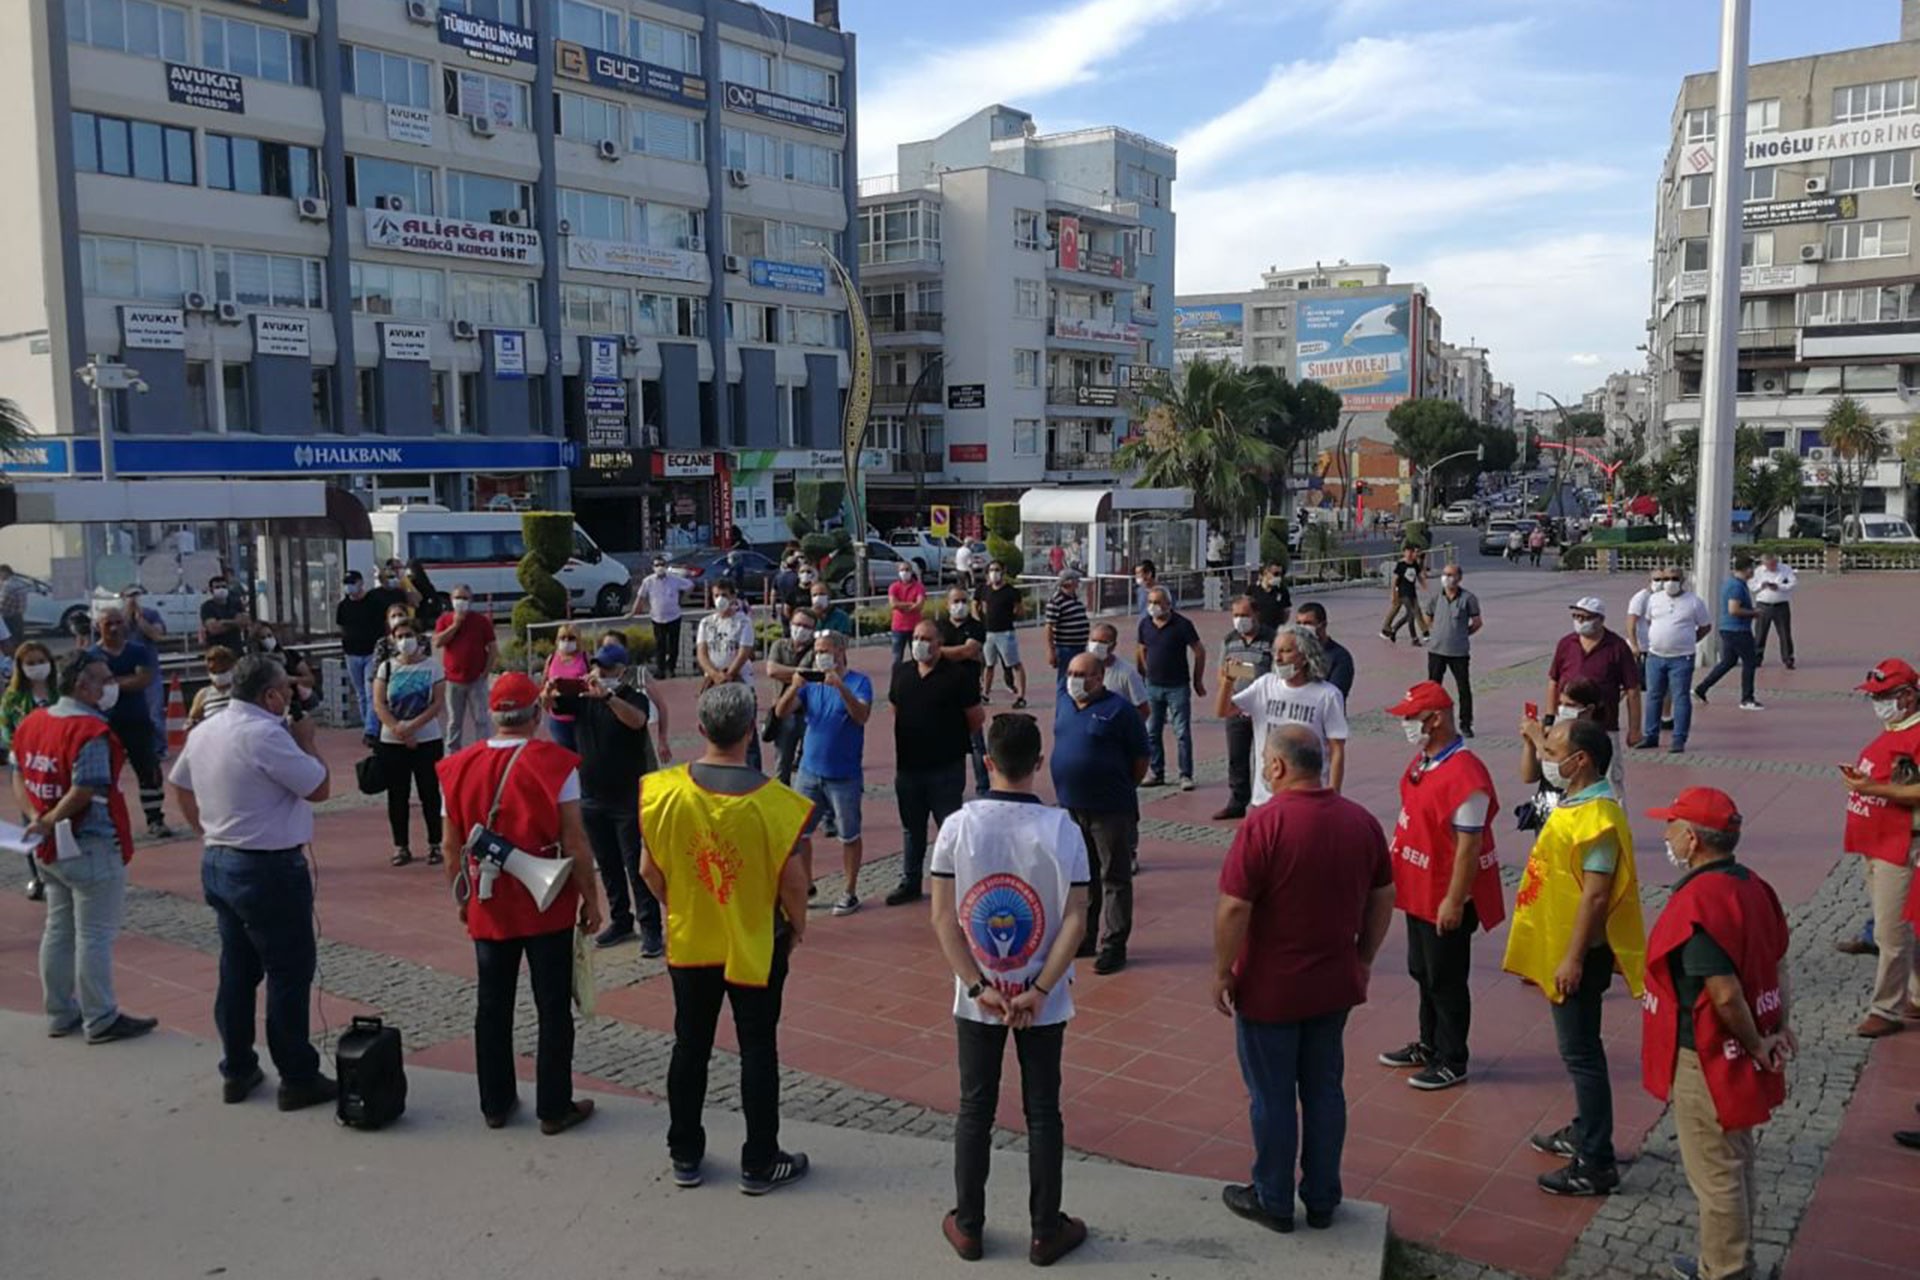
[
  {"x": 696, "y": 499},
  {"x": 765, "y": 485},
  {"x": 615, "y": 497}
]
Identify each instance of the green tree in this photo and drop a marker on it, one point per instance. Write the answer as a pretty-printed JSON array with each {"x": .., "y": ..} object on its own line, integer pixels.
[
  {"x": 1425, "y": 431},
  {"x": 1203, "y": 433},
  {"x": 1502, "y": 448},
  {"x": 1858, "y": 443},
  {"x": 549, "y": 539},
  {"x": 1579, "y": 425},
  {"x": 1764, "y": 483},
  {"x": 15, "y": 430}
]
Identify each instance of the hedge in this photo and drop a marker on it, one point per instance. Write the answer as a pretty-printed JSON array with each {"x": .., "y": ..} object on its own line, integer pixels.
[
  {"x": 1273, "y": 542},
  {"x": 1585, "y": 555},
  {"x": 549, "y": 539},
  {"x": 1002, "y": 520}
]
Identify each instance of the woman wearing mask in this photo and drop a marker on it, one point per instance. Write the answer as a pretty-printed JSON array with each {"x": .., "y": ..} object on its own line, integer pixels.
[
  {"x": 217, "y": 692},
  {"x": 906, "y": 595},
  {"x": 384, "y": 648},
  {"x": 566, "y": 663},
  {"x": 266, "y": 641},
  {"x": 1579, "y": 700},
  {"x": 409, "y": 693},
  {"x": 30, "y": 689}
]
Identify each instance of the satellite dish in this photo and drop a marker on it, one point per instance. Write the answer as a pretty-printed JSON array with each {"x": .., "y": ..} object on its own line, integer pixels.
[
  {"x": 159, "y": 573},
  {"x": 113, "y": 571}
]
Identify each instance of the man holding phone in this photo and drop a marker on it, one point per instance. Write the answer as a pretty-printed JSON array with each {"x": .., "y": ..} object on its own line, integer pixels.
[
  {"x": 836, "y": 703},
  {"x": 1246, "y": 654},
  {"x": 1883, "y": 796}
]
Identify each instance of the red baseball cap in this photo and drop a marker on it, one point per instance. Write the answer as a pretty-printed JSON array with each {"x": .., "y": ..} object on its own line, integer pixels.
[
  {"x": 1891, "y": 674},
  {"x": 1702, "y": 806},
  {"x": 514, "y": 691},
  {"x": 1428, "y": 695}
]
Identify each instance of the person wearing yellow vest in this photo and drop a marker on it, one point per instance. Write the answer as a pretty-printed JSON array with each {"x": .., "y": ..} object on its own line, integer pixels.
[
  {"x": 1576, "y": 921},
  {"x": 718, "y": 839}
]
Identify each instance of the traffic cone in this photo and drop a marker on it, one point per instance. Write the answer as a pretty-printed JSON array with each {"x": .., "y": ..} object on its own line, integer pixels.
[{"x": 176, "y": 717}]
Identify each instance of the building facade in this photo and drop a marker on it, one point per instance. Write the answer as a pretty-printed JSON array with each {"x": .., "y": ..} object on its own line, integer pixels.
[{"x": 477, "y": 252}]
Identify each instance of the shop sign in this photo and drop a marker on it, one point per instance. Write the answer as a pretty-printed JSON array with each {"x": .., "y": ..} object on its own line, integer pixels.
[
  {"x": 610, "y": 460},
  {"x": 625, "y": 258},
  {"x": 789, "y": 277},
  {"x": 409, "y": 124},
  {"x": 966, "y": 453},
  {"x": 486, "y": 39},
  {"x": 628, "y": 75},
  {"x": 403, "y": 342},
  {"x": 778, "y": 106},
  {"x": 1781, "y": 213},
  {"x": 451, "y": 237},
  {"x": 275, "y": 335},
  {"x": 509, "y": 353},
  {"x": 153, "y": 329},
  {"x": 673, "y": 466},
  {"x": 1096, "y": 397},
  {"x": 208, "y": 90},
  {"x": 967, "y": 395}
]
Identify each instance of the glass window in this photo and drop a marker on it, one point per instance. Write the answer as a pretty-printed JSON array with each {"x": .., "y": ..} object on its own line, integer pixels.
[
  {"x": 741, "y": 65},
  {"x": 1761, "y": 183},
  {"x": 1763, "y": 115},
  {"x": 589, "y": 120},
  {"x": 140, "y": 27},
  {"x": 386, "y": 77},
  {"x": 753, "y": 152},
  {"x": 1870, "y": 172},
  {"x": 753, "y": 322},
  {"x": 497, "y": 10},
  {"x": 369, "y": 179},
  {"x": 595, "y": 307},
  {"x": 1026, "y": 368},
  {"x": 1696, "y": 191},
  {"x": 254, "y": 49},
  {"x": 1882, "y": 238},
  {"x": 1872, "y": 101},
  {"x": 807, "y": 327},
  {"x": 492, "y": 300},
  {"x": 1690, "y": 319},
  {"x": 589, "y": 24},
  {"x": 233, "y": 390},
  {"x": 258, "y": 168},
  {"x": 472, "y": 94},
  {"x": 1870, "y": 377},
  {"x": 1147, "y": 241},
  {"x": 810, "y": 83},
  {"x": 269, "y": 280},
  {"x": 479, "y": 197},
  {"x": 151, "y": 270},
  {"x": 671, "y": 137},
  {"x": 668, "y": 315},
  {"x": 814, "y": 166},
  {"x": 668, "y": 226},
  {"x": 1027, "y": 229},
  {"x": 1026, "y": 438},
  {"x": 594, "y": 214},
  {"x": 132, "y": 149},
  {"x": 1756, "y": 249},
  {"x": 1698, "y": 124},
  {"x": 663, "y": 45},
  {"x": 1026, "y": 299},
  {"x": 407, "y": 293}
]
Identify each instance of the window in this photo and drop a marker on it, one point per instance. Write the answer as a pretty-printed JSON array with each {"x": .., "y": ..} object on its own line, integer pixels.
[
  {"x": 366, "y": 398},
  {"x": 269, "y": 280},
  {"x": 900, "y": 233},
  {"x": 1026, "y": 368},
  {"x": 479, "y": 197},
  {"x": 1866, "y": 173},
  {"x": 1763, "y": 313},
  {"x": 663, "y": 45},
  {"x": 251, "y": 49},
  {"x": 1760, "y": 183},
  {"x": 1026, "y": 438},
  {"x": 233, "y": 392},
  {"x": 810, "y": 83},
  {"x": 199, "y": 407},
  {"x": 1690, "y": 319},
  {"x": 753, "y": 322},
  {"x": 741, "y": 65},
  {"x": 497, "y": 10},
  {"x": 469, "y": 402},
  {"x": 1696, "y": 191},
  {"x": 1756, "y": 249},
  {"x": 471, "y": 94},
  {"x": 1887, "y": 304},
  {"x": 1883, "y": 238},
  {"x": 1143, "y": 300},
  {"x": 492, "y": 300},
  {"x": 369, "y": 179},
  {"x": 437, "y": 396},
  {"x": 594, "y": 214},
  {"x": 814, "y": 166},
  {"x": 669, "y": 226},
  {"x": 320, "y": 395},
  {"x": 406, "y": 293},
  {"x": 671, "y": 137},
  {"x": 668, "y": 315},
  {"x": 1871, "y": 101},
  {"x": 1028, "y": 227},
  {"x": 1026, "y": 299},
  {"x": 1141, "y": 184},
  {"x": 151, "y": 270},
  {"x": 589, "y": 24},
  {"x": 1763, "y": 115},
  {"x": 590, "y": 306},
  {"x": 591, "y": 120},
  {"x": 1698, "y": 124},
  {"x": 132, "y": 149},
  {"x": 753, "y": 152},
  {"x": 256, "y": 168},
  {"x": 385, "y": 77},
  {"x": 139, "y": 27},
  {"x": 807, "y": 327},
  {"x": 1147, "y": 241}
]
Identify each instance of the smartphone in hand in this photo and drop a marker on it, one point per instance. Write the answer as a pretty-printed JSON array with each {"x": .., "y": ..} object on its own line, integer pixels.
[
  {"x": 1533, "y": 711},
  {"x": 569, "y": 687},
  {"x": 812, "y": 676}
]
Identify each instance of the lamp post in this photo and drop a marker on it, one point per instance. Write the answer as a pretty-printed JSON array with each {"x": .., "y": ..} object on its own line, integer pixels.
[
  {"x": 915, "y": 395},
  {"x": 104, "y": 377},
  {"x": 1426, "y": 475}
]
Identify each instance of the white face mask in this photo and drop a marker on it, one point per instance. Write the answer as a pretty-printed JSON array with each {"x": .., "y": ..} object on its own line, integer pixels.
[
  {"x": 1449, "y": 582},
  {"x": 800, "y": 634},
  {"x": 1657, "y": 584},
  {"x": 923, "y": 651},
  {"x": 1077, "y": 688},
  {"x": 608, "y": 683},
  {"x": 219, "y": 593},
  {"x": 822, "y": 661},
  {"x": 221, "y": 679},
  {"x": 37, "y": 670},
  {"x": 1157, "y": 610},
  {"x": 1286, "y": 670},
  {"x": 569, "y": 646},
  {"x": 995, "y": 576},
  {"x": 1099, "y": 649},
  {"x": 723, "y": 605},
  {"x": 822, "y": 603},
  {"x": 1589, "y": 628},
  {"x": 957, "y": 610},
  {"x": 905, "y": 575},
  {"x": 410, "y": 646},
  {"x": 1244, "y": 625},
  {"x": 269, "y": 643},
  {"x": 1673, "y": 857},
  {"x": 1674, "y": 587},
  {"x": 1415, "y": 734},
  {"x": 1887, "y": 709},
  {"x": 461, "y": 604},
  {"x": 110, "y": 695},
  {"x": 1554, "y": 775},
  {"x": 356, "y": 589},
  {"x": 806, "y": 578},
  {"x": 1566, "y": 711}
]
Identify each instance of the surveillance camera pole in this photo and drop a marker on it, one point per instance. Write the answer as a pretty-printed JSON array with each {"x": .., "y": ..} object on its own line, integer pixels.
[{"x": 105, "y": 377}]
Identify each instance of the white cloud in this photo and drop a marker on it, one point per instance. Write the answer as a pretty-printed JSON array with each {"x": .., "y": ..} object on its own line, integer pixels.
[{"x": 1585, "y": 359}]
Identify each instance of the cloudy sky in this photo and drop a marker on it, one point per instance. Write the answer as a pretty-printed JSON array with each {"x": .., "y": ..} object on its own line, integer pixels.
[{"x": 1504, "y": 152}]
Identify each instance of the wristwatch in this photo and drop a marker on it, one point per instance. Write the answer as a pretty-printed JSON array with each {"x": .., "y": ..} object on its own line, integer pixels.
[{"x": 973, "y": 992}]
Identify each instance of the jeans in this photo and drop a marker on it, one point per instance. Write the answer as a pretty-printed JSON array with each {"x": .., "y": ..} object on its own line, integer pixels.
[
  {"x": 1735, "y": 646},
  {"x": 550, "y": 974},
  {"x": 666, "y": 648},
  {"x": 1439, "y": 664},
  {"x": 1239, "y": 760},
  {"x": 1282, "y": 1061},
  {"x": 922, "y": 794},
  {"x": 1062, "y": 655},
  {"x": 613, "y": 830},
  {"x": 263, "y": 903},
  {"x": 360, "y": 672},
  {"x": 901, "y": 639},
  {"x": 86, "y": 902},
  {"x": 1576, "y": 1024},
  {"x": 1112, "y": 840},
  {"x": 1668, "y": 677},
  {"x": 789, "y": 732},
  {"x": 982, "y": 1050},
  {"x": 835, "y": 799},
  {"x": 562, "y": 732},
  {"x": 405, "y": 767},
  {"x": 697, "y": 994},
  {"x": 1774, "y": 617},
  {"x": 143, "y": 757},
  {"x": 978, "y": 749},
  {"x": 156, "y": 695},
  {"x": 466, "y": 701},
  {"x": 1164, "y": 702},
  {"x": 1439, "y": 964}
]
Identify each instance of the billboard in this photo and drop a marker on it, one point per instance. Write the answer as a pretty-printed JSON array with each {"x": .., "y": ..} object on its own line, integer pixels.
[
  {"x": 1359, "y": 347},
  {"x": 1220, "y": 325}
]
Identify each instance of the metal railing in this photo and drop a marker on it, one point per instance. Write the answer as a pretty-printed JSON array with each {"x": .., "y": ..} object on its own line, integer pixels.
[
  {"x": 908, "y": 322},
  {"x": 1102, "y": 395},
  {"x": 930, "y": 394},
  {"x": 1077, "y": 460}
]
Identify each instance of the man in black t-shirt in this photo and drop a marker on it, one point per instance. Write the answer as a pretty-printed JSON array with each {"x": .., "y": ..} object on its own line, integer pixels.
[
  {"x": 1406, "y": 583},
  {"x": 225, "y": 619},
  {"x": 998, "y": 603},
  {"x": 1272, "y": 602},
  {"x": 936, "y": 712},
  {"x": 361, "y": 617},
  {"x": 963, "y": 639},
  {"x": 610, "y": 722}
]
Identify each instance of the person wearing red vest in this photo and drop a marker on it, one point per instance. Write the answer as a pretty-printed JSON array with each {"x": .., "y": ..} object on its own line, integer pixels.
[
  {"x": 1715, "y": 1038},
  {"x": 67, "y": 775},
  {"x": 1445, "y": 878},
  {"x": 1883, "y": 809},
  {"x": 527, "y": 792}
]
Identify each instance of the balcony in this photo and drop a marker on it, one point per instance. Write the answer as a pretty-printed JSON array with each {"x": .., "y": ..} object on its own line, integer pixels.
[
  {"x": 1078, "y": 460},
  {"x": 921, "y": 256},
  {"x": 921, "y": 325},
  {"x": 1091, "y": 263},
  {"x": 1106, "y": 331},
  {"x": 931, "y": 394},
  {"x": 1106, "y": 396}
]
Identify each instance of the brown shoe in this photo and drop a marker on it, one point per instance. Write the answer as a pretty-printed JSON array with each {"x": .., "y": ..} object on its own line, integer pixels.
[
  {"x": 1911, "y": 1013},
  {"x": 968, "y": 1247},
  {"x": 1068, "y": 1236},
  {"x": 575, "y": 1114},
  {"x": 1873, "y": 1026},
  {"x": 1856, "y": 947}
]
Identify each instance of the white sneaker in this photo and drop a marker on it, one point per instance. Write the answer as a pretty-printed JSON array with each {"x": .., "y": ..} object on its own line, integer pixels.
[
  {"x": 846, "y": 906},
  {"x": 1751, "y": 705}
]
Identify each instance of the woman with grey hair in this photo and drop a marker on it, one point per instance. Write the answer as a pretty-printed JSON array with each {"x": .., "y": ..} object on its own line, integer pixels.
[{"x": 1295, "y": 691}]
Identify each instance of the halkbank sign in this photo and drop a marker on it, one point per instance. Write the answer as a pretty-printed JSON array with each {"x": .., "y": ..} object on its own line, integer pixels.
[{"x": 1829, "y": 142}]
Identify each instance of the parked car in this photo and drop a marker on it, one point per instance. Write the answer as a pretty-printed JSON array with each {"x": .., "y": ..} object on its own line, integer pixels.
[
  {"x": 483, "y": 549},
  {"x": 703, "y": 565},
  {"x": 882, "y": 564},
  {"x": 1458, "y": 513},
  {"x": 179, "y": 610},
  {"x": 48, "y": 612},
  {"x": 934, "y": 557},
  {"x": 1877, "y": 529},
  {"x": 1493, "y": 538}
]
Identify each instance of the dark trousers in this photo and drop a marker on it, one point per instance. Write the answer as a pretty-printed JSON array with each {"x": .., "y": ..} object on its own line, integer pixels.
[
  {"x": 1774, "y": 617},
  {"x": 666, "y": 648},
  {"x": 923, "y": 795},
  {"x": 1285, "y": 1064},
  {"x": 550, "y": 974},
  {"x": 1112, "y": 839},
  {"x": 697, "y": 994},
  {"x": 263, "y": 903},
  {"x": 614, "y": 832},
  {"x": 1439, "y": 964},
  {"x": 143, "y": 757},
  {"x": 788, "y": 733},
  {"x": 978, "y": 749},
  {"x": 562, "y": 732},
  {"x": 1438, "y": 664},
  {"x": 406, "y": 768},
  {"x": 1735, "y": 647},
  {"x": 982, "y": 1049},
  {"x": 1576, "y": 1024},
  {"x": 1239, "y": 760}
]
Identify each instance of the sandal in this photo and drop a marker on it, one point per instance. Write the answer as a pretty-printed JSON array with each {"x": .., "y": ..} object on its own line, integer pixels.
[
  {"x": 434, "y": 858},
  {"x": 401, "y": 857}
]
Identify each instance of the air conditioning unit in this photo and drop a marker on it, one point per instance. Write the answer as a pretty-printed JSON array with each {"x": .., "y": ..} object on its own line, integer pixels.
[
  {"x": 608, "y": 149},
  {"x": 1816, "y": 186},
  {"x": 463, "y": 331},
  {"x": 197, "y": 301},
  {"x": 482, "y": 126},
  {"x": 311, "y": 209},
  {"x": 566, "y": 226},
  {"x": 696, "y": 244},
  {"x": 1819, "y": 454},
  {"x": 731, "y": 265},
  {"x": 630, "y": 344},
  {"x": 228, "y": 313},
  {"x": 1813, "y": 253},
  {"x": 422, "y": 12},
  {"x": 737, "y": 177},
  {"x": 1916, "y": 191},
  {"x": 1770, "y": 386},
  {"x": 392, "y": 204},
  {"x": 513, "y": 217}
]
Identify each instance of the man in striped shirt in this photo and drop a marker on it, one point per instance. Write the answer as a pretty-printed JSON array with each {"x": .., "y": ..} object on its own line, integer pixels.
[{"x": 1067, "y": 626}]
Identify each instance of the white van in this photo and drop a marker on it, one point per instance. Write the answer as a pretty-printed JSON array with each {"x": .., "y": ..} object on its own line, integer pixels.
[{"x": 483, "y": 550}]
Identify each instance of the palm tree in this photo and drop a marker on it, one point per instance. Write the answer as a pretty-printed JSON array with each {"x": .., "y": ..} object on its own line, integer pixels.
[
  {"x": 1858, "y": 442},
  {"x": 15, "y": 430},
  {"x": 1203, "y": 434}
]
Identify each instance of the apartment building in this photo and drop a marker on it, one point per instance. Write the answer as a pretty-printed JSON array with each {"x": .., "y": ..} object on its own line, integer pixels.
[
  {"x": 1830, "y": 297},
  {"x": 1019, "y": 286},
  {"x": 479, "y": 252},
  {"x": 1624, "y": 403}
]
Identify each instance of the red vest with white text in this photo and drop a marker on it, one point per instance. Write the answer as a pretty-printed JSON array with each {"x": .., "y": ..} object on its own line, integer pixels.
[
  {"x": 1877, "y": 827},
  {"x": 45, "y": 747},
  {"x": 1423, "y": 839},
  {"x": 529, "y": 817}
]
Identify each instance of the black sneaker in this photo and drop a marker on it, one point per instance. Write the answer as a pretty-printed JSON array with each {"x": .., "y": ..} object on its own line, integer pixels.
[
  {"x": 1700, "y": 695},
  {"x": 1438, "y": 1077},
  {"x": 308, "y": 1093},
  {"x": 1110, "y": 961},
  {"x": 687, "y": 1175},
  {"x": 1019, "y": 704},
  {"x": 1242, "y": 1200},
  {"x": 784, "y": 1169},
  {"x": 159, "y": 830},
  {"x": 235, "y": 1091},
  {"x": 1752, "y": 704},
  {"x": 124, "y": 1027},
  {"x": 36, "y": 890},
  {"x": 1580, "y": 1180},
  {"x": 652, "y": 945},
  {"x": 902, "y": 894},
  {"x": 1683, "y": 1267},
  {"x": 1154, "y": 780},
  {"x": 1319, "y": 1219},
  {"x": 1412, "y": 1054},
  {"x": 1557, "y": 1143},
  {"x": 613, "y": 936}
]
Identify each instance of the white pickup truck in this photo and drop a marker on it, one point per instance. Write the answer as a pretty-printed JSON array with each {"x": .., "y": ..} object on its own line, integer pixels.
[{"x": 934, "y": 557}]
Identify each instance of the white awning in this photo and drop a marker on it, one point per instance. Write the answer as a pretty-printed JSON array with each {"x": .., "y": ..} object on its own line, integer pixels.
[
  {"x": 1065, "y": 506},
  {"x": 117, "y": 501}
]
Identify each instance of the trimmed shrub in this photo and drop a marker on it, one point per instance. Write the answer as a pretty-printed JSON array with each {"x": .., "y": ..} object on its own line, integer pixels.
[
  {"x": 1273, "y": 542},
  {"x": 1003, "y": 526},
  {"x": 1416, "y": 534},
  {"x": 549, "y": 539}
]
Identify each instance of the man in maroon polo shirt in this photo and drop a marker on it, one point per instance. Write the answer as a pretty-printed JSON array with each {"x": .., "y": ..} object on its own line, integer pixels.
[
  {"x": 1306, "y": 896},
  {"x": 1592, "y": 652}
]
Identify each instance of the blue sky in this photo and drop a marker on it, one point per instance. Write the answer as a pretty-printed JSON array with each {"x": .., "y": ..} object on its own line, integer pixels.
[{"x": 1505, "y": 152}]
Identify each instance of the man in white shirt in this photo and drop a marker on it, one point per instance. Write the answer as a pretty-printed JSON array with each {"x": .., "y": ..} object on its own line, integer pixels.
[
  {"x": 1677, "y": 620},
  {"x": 1122, "y": 676},
  {"x": 963, "y": 565},
  {"x": 1773, "y": 584},
  {"x": 723, "y": 646},
  {"x": 658, "y": 597},
  {"x": 1296, "y": 691},
  {"x": 1010, "y": 879}
]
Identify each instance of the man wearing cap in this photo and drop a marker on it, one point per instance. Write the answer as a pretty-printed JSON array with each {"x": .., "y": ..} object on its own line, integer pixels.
[
  {"x": 1446, "y": 880},
  {"x": 1883, "y": 810},
  {"x": 525, "y": 793},
  {"x": 658, "y": 597},
  {"x": 1714, "y": 1038},
  {"x": 1735, "y": 625},
  {"x": 1593, "y": 652},
  {"x": 1677, "y": 622}
]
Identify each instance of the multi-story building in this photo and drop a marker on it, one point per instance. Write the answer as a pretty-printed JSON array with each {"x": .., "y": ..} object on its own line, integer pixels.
[
  {"x": 1624, "y": 403},
  {"x": 472, "y": 251},
  {"x": 1468, "y": 382},
  {"x": 1500, "y": 411},
  {"x": 1019, "y": 285},
  {"x": 1830, "y": 298}
]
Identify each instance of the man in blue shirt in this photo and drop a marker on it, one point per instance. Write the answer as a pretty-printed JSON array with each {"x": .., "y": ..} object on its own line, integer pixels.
[
  {"x": 1099, "y": 757},
  {"x": 133, "y": 664},
  {"x": 837, "y": 703},
  {"x": 1735, "y": 625}
]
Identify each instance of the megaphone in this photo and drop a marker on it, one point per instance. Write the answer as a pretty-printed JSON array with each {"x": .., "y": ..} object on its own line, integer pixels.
[{"x": 544, "y": 878}]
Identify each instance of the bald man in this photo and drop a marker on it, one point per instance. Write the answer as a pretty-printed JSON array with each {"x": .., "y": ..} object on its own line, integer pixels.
[{"x": 1099, "y": 758}]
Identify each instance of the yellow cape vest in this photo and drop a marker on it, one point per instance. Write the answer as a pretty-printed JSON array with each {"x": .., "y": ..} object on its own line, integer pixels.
[
  {"x": 1548, "y": 901},
  {"x": 722, "y": 856}
]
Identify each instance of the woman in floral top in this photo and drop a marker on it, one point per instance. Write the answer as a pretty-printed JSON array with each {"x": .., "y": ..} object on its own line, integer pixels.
[{"x": 30, "y": 688}]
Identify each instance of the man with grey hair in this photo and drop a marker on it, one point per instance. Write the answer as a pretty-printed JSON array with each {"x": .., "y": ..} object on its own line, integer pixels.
[
  {"x": 1122, "y": 677},
  {"x": 1294, "y": 692},
  {"x": 834, "y": 703},
  {"x": 1244, "y": 657},
  {"x": 1166, "y": 642},
  {"x": 249, "y": 788}
]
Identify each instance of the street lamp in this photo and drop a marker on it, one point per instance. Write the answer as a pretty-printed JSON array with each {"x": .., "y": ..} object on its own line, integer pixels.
[
  {"x": 1479, "y": 451},
  {"x": 105, "y": 377}
]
